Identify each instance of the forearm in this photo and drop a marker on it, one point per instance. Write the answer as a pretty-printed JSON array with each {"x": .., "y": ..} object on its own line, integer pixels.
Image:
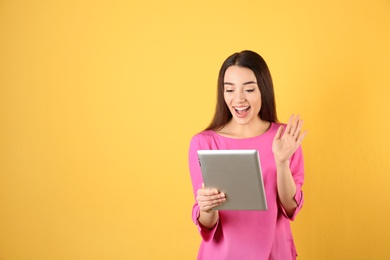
[
  {"x": 208, "y": 219},
  {"x": 286, "y": 187}
]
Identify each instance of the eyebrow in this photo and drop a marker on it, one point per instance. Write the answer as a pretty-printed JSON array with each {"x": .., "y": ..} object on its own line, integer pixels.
[{"x": 246, "y": 83}]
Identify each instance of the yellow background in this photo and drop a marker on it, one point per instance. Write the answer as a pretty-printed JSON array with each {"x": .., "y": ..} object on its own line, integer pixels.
[{"x": 99, "y": 99}]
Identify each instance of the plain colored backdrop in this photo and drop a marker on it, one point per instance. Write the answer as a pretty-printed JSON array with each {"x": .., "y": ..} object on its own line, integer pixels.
[{"x": 99, "y": 100}]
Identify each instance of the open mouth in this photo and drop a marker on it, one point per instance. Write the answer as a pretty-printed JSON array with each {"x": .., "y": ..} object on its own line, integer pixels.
[{"x": 242, "y": 111}]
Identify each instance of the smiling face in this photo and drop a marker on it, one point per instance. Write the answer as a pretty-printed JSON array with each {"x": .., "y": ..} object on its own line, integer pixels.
[{"x": 242, "y": 94}]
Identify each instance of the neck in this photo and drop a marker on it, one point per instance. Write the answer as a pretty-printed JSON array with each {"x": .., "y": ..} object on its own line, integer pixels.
[{"x": 232, "y": 129}]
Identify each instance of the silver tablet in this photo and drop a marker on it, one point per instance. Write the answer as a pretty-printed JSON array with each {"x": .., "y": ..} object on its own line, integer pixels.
[{"x": 237, "y": 173}]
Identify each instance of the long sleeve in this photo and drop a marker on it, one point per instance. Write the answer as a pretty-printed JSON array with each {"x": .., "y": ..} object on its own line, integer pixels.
[
  {"x": 197, "y": 180},
  {"x": 297, "y": 170}
]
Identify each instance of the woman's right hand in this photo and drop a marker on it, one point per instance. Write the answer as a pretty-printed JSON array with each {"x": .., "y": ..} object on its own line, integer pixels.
[{"x": 209, "y": 198}]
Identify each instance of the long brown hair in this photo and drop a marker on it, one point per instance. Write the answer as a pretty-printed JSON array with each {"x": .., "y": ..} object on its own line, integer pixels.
[{"x": 254, "y": 62}]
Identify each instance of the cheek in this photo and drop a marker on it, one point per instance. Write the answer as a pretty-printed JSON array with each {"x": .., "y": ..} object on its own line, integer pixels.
[
  {"x": 256, "y": 102},
  {"x": 227, "y": 99}
]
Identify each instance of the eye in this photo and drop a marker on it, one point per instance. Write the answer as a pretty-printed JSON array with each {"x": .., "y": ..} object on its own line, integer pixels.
[
  {"x": 228, "y": 90},
  {"x": 250, "y": 90}
]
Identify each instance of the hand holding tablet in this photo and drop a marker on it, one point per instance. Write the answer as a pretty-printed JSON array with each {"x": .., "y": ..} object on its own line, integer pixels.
[{"x": 236, "y": 173}]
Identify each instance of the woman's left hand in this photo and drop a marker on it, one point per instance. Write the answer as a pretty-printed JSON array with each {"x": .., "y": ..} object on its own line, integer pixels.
[{"x": 287, "y": 142}]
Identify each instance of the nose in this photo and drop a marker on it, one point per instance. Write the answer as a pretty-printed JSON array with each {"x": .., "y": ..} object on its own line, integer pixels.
[{"x": 239, "y": 97}]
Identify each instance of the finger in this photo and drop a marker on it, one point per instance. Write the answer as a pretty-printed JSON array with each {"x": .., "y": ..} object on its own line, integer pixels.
[
  {"x": 209, "y": 207},
  {"x": 212, "y": 204},
  {"x": 298, "y": 129},
  {"x": 294, "y": 125},
  {"x": 210, "y": 192},
  {"x": 279, "y": 133},
  {"x": 207, "y": 191},
  {"x": 210, "y": 198},
  {"x": 289, "y": 123},
  {"x": 303, "y": 135}
]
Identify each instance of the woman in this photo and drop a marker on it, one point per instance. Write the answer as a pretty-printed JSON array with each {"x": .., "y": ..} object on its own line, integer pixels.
[{"x": 245, "y": 118}]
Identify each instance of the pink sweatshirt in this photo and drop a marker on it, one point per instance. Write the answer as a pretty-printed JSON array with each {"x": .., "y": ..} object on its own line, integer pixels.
[{"x": 248, "y": 234}]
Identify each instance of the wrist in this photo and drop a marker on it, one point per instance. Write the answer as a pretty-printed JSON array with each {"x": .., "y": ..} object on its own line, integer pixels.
[
  {"x": 282, "y": 164},
  {"x": 208, "y": 219}
]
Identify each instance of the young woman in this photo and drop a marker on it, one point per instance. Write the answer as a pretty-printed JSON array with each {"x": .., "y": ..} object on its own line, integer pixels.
[{"x": 245, "y": 118}]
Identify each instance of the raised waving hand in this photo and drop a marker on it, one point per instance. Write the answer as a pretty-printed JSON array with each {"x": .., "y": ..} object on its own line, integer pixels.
[{"x": 287, "y": 141}]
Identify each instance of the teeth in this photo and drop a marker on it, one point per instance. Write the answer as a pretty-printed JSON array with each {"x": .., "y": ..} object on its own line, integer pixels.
[{"x": 240, "y": 108}]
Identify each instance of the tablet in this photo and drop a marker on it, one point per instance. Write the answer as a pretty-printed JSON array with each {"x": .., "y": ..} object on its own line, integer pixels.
[{"x": 238, "y": 174}]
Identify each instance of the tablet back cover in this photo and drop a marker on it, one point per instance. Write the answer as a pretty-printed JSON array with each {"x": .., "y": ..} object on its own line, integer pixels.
[{"x": 237, "y": 173}]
